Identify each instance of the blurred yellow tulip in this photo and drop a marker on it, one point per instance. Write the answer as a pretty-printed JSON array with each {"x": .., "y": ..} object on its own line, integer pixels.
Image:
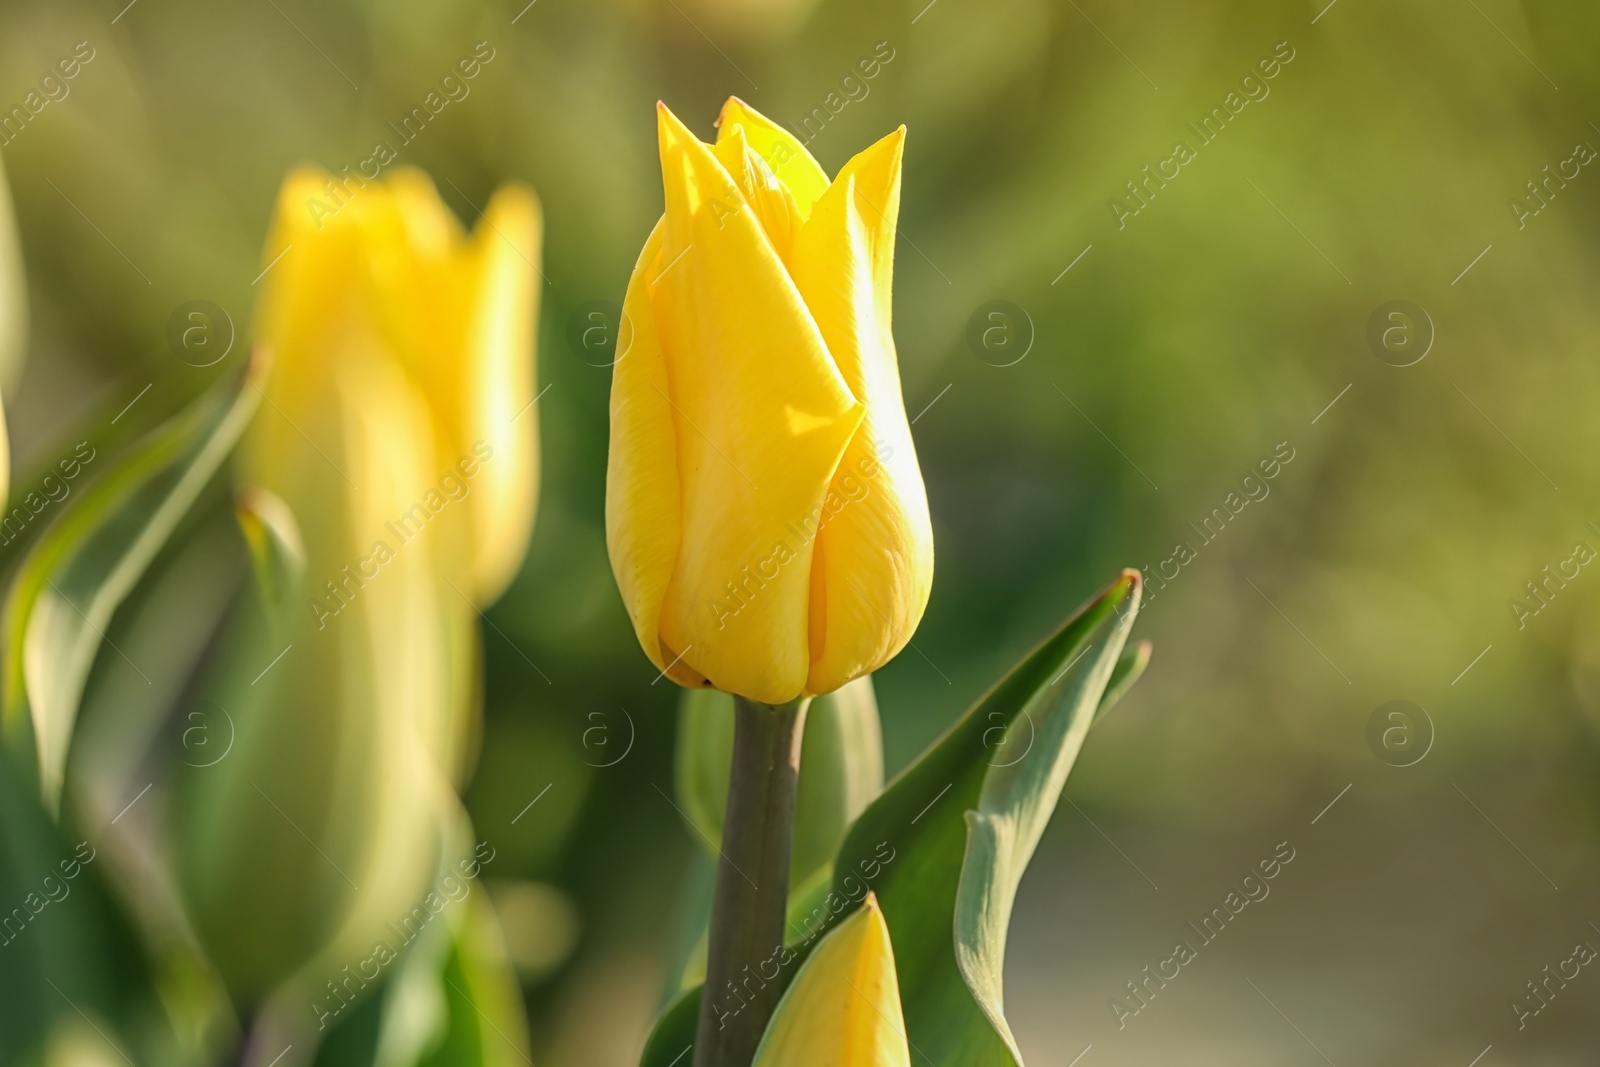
[
  {"x": 388, "y": 486},
  {"x": 13, "y": 317},
  {"x": 843, "y": 1009},
  {"x": 765, "y": 514},
  {"x": 382, "y": 273}
]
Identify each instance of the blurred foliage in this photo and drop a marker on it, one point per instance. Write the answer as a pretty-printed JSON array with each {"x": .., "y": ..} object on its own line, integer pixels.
[{"x": 1219, "y": 322}]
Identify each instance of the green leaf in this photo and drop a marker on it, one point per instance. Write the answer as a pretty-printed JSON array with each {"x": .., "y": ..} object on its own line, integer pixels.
[
  {"x": 486, "y": 1027},
  {"x": 946, "y": 843},
  {"x": 81, "y": 568},
  {"x": 451, "y": 1000},
  {"x": 1130, "y": 666},
  {"x": 702, "y": 761},
  {"x": 962, "y": 824},
  {"x": 841, "y": 769},
  {"x": 673, "y": 1035},
  {"x": 65, "y": 945},
  {"x": 277, "y": 551}
]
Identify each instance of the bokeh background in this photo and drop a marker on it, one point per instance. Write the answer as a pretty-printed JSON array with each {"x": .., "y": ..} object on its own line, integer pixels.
[{"x": 1108, "y": 407}]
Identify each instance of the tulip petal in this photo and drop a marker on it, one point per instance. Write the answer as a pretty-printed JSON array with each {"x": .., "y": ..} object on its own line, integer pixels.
[
  {"x": 643, "y": 511},
  {"x": 762, "y": 418},
  {"x": 873, "y": 567},
  {"x": 843, "y": 1009},
  {"x": 496, "y": 422},
  {"x": 768, "y": 197},
  {"x": 782, "y": 151},
  {"x": 389, "y": 261}
]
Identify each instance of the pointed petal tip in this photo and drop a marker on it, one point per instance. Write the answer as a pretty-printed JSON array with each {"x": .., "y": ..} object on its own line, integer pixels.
[
  {"x": 669, "y": 127},
  {"x": 733, "y": 103},
  {"x": 896, "y": 139}
]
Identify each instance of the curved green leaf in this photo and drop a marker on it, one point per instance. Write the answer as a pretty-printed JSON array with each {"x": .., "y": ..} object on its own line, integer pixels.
[
  {"x": 65, "y": 945},
  {"x": 451, "y": 999},
  {"x": 277, "y": 551},
  {"x": 80, "y": 569},
  {"x": 673, "y": 1035},
  {"x": 946, "y": 843},
  {"x": 962, "y": 823}
]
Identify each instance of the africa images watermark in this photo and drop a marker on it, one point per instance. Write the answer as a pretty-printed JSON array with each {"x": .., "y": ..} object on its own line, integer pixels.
[
  {"x": 1252, "y": 889},
  {"x": 338, "y": 187},
  {"x": 1545, "y": 990},
  {"x": 852, "y": 88},
  {"x": 1142, "y": 190},
  {"x": 55, "y": 891},
  {"x": 846, "y": 489},
  {"x": 816, "y": 923},
  {"x": 53, "y": 88},
  {"x": 52, "y": 489},
  {"x": 1251, "y": 488},
  {"x": 1541, "y": 591},
  {"x": 453, "y": 487},
  {"x": 1542, "y": 190},
  {"x": 450, "y": 890}
]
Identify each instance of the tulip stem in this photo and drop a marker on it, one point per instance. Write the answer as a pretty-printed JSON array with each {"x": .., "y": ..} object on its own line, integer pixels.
[{"x": 748, "y": 911}]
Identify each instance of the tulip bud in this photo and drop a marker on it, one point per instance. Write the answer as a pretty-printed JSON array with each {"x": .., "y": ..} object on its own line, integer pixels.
[
  {"x": 390, "y": 488},
  {"x": 388, "y": 277},
  {"x": 765, "y": 514},
  {"x": 843, "y": 1009}
]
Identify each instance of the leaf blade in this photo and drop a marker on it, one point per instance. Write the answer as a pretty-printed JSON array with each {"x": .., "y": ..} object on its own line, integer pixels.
[{"x": 84, "y": 565}]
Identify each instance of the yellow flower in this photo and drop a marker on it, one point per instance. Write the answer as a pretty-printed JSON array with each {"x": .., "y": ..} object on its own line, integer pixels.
[
  {"x": 382, "y": 273},
  {"x": 765, "y": 515},
  {"x": 393, "y": 461},
  {"x": 843, "y": 1009},
  {"x": 13, "y": 317}
]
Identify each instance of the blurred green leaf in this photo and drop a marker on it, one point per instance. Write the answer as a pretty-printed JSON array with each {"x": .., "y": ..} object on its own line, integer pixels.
[
  {"x": 945, "y": 845},
  {"x": 673, "y": 1033},
  {"x": 67, "y": 948},
  {"x": 452, "y": 1000},
  {"x": 841, "y": 772},
  {"x": 82, "y": 567},
  {"x": 486, "y": 1023},
  {"x": 702, "y": 760},
  {"x": 277, "y": 551},
  {"x": 841, "y": 769}
]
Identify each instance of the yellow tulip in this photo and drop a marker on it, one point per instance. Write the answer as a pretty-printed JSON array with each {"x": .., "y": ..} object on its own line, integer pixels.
[
  {"x": 765, "y": 514},
  {"x": 843, "y": 1009},
  {"x": 383, "y": 272},
  {"x": 13, "y": 317},
  {"x": 392, "y": 461}
]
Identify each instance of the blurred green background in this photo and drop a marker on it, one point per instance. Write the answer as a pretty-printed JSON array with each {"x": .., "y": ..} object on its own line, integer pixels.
[{"x": 1180, "y": 349}]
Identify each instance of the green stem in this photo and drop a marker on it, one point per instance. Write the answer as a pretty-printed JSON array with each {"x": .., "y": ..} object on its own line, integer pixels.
[{"x": 752, "y": 892}]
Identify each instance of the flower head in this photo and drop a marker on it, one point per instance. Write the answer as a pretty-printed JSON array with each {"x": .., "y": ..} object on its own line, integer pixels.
[{"x": 765, "y": 514}]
